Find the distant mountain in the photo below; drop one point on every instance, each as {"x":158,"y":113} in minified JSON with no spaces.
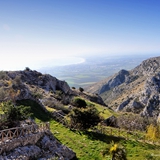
{"x":95,"y":68}
{"x":137,"y":90}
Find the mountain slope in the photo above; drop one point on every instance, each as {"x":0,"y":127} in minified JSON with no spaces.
{"x":137,"y":90}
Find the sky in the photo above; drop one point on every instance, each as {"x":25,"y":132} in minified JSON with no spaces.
{"x":33,"y":32}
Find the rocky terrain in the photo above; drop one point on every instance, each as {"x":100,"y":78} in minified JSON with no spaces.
{"x":48,"y":92}
{"x":137,"y":90}
{"x":25,"y":84}
{"x":39,"y":146}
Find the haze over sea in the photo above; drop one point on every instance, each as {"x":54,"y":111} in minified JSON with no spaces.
{"x":84,"y":71}
{"x":62,"y":61}
{"x":37,"y":63}
{"x":37,"y":34}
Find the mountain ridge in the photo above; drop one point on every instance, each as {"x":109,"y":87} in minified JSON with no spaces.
{"x":137,"y":90}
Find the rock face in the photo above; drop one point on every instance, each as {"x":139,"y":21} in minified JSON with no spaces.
{"x":115,"y":81}
{"x":46,"y":81}
{"x":137,"y":90}
{"x":45,"y":88}
{"x":36,"y":146}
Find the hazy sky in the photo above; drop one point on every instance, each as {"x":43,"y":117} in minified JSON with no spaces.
{"x":35,"y":30}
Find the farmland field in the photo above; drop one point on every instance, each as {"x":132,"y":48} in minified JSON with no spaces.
{"x":95,"y":68}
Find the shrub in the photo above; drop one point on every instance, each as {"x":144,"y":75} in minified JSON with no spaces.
{"x":117,"y":151}
{"x":18,"y":80}
{"x":3,"y":75}
{"x":37,"y":95}
{"x":84,"y":118}
{"x":56,"y":105}
{"x":59,"y":94}
{"x":3,"y":94}
{"x":153,"y":132}
{"x":27,"y":69}
{"x":78,"y":102}
{"x":15,"y":113}
{"x":134,"y":122}
{"x":81,"y":89}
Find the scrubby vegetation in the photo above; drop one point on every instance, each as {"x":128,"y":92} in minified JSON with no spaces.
{"x":93,"y":145}
{"x":79,"y":102}
{"x":85,"y":120}
{"x":13,"y":114}
{"x":130,"y":121}
{"x":153,"y":132}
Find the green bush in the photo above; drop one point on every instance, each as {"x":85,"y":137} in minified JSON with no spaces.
{"x":80,"y":103}
{"x":85,"y":118}
{"x":117,"y":151}
{"x":81,"y":89}
{"x":16,"y":113}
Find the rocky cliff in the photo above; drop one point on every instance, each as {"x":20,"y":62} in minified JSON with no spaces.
{"x":46,"y":81}
{"x":137,"y":90}
{"x":39,"y":146}
{"x":48,"y":92}
{"x":27,"y":84}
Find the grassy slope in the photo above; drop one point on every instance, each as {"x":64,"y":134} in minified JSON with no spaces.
{"x":89,"y":145}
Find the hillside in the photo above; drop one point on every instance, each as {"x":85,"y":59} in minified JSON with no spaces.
{"x":48,"y":96}
{"x":29,"y":84}
{"x":87,"y":145}
{"x":135,"y":91}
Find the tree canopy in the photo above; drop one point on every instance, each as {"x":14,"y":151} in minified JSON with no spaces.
{"x":84,"y":118}
{"x":15,"y":113}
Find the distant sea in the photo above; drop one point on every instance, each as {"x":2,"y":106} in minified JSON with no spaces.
{"x":96,"y":67}
{"x":59,"y":62}
{"x":63,"y":61}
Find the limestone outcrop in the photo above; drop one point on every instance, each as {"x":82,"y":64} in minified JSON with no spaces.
{"x":42,"y":145}
{"x":116,"y":80}
{"x":137,"y":90}
{"x":44,"y":81}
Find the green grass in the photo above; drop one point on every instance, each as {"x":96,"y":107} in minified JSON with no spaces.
{"x":104,"y":111}
{"x":1,"y":111}
{"x":89,"y":145}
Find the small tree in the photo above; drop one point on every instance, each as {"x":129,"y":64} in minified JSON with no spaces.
{"x":84,"y":118}
{"x":80,"y":103}
{"x":81,"y":89}
{"x":27,"y":69}
{"x":15,"y":113}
